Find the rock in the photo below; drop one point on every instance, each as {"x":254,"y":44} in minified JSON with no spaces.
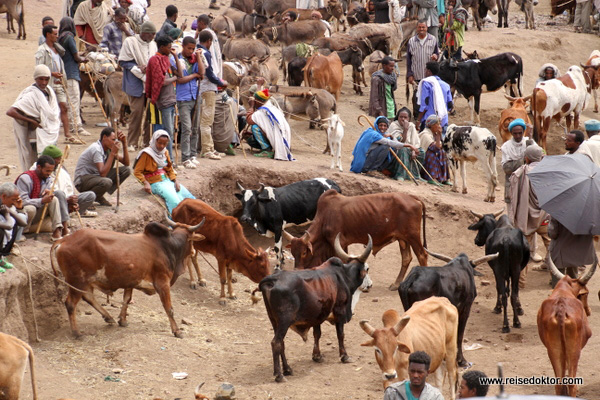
{"x":208,"y":340}
{"x":88,"y":313}
{"x":184,"y":303}
{"x":225,"y":392}
{"x":506,"y":347}
{"x":375,"y":300}
{"x":186,"y":321}
{"x":485,"y":283}
{"x":117,"y":370}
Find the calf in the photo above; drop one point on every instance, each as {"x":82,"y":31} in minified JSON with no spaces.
{"x":454,"y":281}
{"x":429,"y":325}
{"x":325,"y":72}
{"x":472,"y":143}
{"x":304,"y":299}
{"x":14,"y":354}
{"x":563,"y":324}
{"x":517,"y":109}
{"x":503,"y":238}
{"x":335,"y":134}
{"x":269,"y":209}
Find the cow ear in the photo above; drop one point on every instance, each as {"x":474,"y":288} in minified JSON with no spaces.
{"x":368,"y":343}
{"x":475,"y":226}
{"x":264,"y":196}
{"x":156,"y":229}
{"x":239,"y":196}
{"x":404,"y":348}
{"x":309,"y":245}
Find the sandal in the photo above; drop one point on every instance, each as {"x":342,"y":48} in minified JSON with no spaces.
{"x":73,"y":140}
{"x":6,"y":265}
{"x":265,"y":154}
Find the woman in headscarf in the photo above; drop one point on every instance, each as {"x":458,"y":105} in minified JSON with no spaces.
{"x":372,"y":150}
{"x":154,"y":170}
{"x":547,"y":72}
{"x":436,"y":162}
{"x":405,"y":131}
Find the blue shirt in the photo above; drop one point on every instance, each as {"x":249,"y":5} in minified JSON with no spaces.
{"x":71,"y":66}
{"x":427,"y":99}
{"x":132,"y":85}
{"x":186,"y":91}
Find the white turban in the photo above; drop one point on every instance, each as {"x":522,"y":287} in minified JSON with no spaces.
{"x":41,"y":71}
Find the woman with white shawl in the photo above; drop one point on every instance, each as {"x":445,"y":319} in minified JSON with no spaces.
{"x":154,"y":169}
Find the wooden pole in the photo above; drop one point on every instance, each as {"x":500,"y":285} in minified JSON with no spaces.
{"x":64,"y":157}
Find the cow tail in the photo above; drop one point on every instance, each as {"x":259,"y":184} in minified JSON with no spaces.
{"x":424,"y":219}
{"x":255,"y":299}
{"x":563,"y":348}
{"x":53,"y":250}
{"x":31,"y":367}
{"x":536,"y":126}
{"x":520,"y":78}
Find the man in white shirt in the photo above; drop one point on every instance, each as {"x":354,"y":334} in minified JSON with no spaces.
{"x":513,"y":153}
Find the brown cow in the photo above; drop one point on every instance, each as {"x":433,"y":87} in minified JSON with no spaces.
{"x":592,"y":67}
{"x":563,"y":324}
{"x":518,"y":109}
{"x":431,"y":326}
{"x":387,"y":217}
{"x":14,"y":354}
{"x":325,"y":72}
{"x":150,"y":261}
{"x":226,"y":242}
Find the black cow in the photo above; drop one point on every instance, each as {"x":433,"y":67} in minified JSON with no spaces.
{"x":453,"y":281}
{"x":469,"y":77}
{"x":295,"y":73}
{"x":304,"y":299}
{"x":269,"y":209}
{"x":502,"y":237}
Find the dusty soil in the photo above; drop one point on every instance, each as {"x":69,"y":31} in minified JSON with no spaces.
{"x":232,"y":343}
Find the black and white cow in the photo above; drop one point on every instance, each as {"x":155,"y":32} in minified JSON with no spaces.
{"x":269,"y":209}
{"x":473,"y":77}
{"x":472,"y":143}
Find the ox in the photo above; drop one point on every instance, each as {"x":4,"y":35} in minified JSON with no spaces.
{"x":470,"y":77}
{"x":269,"y":209}
{"x":304,"y":299}
{"x":14,"y":354}
{"x":517,"y":109}
{"x":226,"y":242}
{"x":472,"y":143}
{"x":502,"y":237}
{"x":317,"y":104}
{"x":388,"y":217}
{"x":557,"y":98}
{"x":325,"y":72}
{"x":592,"y":67}
{"x":454,"y":281}
{"x":429,"y":325}
{"x":335,"y":134}
{"x":563,"y":324}
{"x":150,"y":261}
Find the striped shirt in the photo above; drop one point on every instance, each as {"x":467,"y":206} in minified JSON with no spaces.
{"x":418,"y":54}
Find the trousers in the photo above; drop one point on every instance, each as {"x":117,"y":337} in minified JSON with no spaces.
{"x":100,"y":185}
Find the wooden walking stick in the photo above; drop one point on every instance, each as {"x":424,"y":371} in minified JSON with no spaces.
{"x":64,"y":157}
{"x":117,"y":173}
{"x":96,"y":95}
{"x":391,"y":151}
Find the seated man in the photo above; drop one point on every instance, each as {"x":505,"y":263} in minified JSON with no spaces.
{"x":10,"y":221}
{"x":270,"y":131}
{"x":34,"y":189}
{"x":436,"y":162}
{"x":95,"y":171}
{"x":405,"y":131}
{"x":81,"y":202}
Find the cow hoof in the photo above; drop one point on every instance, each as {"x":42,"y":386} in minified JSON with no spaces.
{"x":288,"y":372}
{"x":222,"y":302}
{"x":193,"y":285}
{"x":280,"y":379}
{"x":462,"y":363}
{"x":110,"y":321}
{"x":505,"y":329}
{"x":517,"y":324}
{"x":455,"y":189}
{"x":520,"y":311}
{"x":393,"y":287}
{"x":123,"y":324}
{"x":367,"y":290}
{"x":487,"y":199}
{"x":233,"y":279}
{"x":346,"y":359}
{"x":233,"y":297}
{"x":497,"y":310}
{"x":77,"y":335}
{"x":465,"y":191}
{"x":202,"y":282}
{"x":318,"y":359}
{"x":178,"y":334}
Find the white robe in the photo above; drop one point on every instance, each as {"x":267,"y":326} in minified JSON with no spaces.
{"x":591,"y":148}
{"x":278,"y":132}
{"x":34,"y":104}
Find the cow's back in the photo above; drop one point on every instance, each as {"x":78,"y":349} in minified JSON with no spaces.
{"x":514,"y":250}
{"x":302,"y":195}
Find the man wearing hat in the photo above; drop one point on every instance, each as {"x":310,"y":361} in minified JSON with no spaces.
{"x":591,"y":147}
{"x":133,"y":58}
{"x":270,"y":131}
{"x":524,"y":210}
{"x":36,"y":118}
{"x":512,"y":153}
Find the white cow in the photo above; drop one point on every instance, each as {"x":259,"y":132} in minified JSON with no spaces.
{"x":557,"y":98}
{"x":472,"y":143}
{"x":593,"y":67}
{"x":335,"y":134}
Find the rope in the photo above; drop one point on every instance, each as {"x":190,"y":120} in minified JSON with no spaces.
{"x":208,"y":262}
{"x":35,"y":325}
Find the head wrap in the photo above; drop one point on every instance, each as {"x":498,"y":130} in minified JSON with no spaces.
{"x":159,"y":156}
{"x":379,"y":120}
{"x":316,"y":14}
{"x":432,"y":120}
{"x":148,"y":27}
{"x":534,"y":153}
{"x":41,"y":71}
{"x":175,"y":33}
{"x":262,"y":95}
{"x":52,"y":151}
{"x":592,"y":125}
{"x":66,"y":29}
{"x":542,"y":73}
{"x":517,"y":122}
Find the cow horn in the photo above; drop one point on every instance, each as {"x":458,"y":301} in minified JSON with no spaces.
{"x":197,"y":390}
{"x":559,"y":275}
{"x":170,"y":223}
{"x":288,"y":236}
{"x":369,"y":330}
{"x":498,"y":213}
{"x":262,"y":188}
{"x":527,"y":98}
{"x":588,"y":275}
{"x":306,"y":237}
{"x":510,"y":98}
{"x":485,"y":259}
{"x":401,"y":324}
{"x":476,"y":214}
{"x":439,"y":256}
{"x":363,"y":257}
{"x":196,"y":227}
{"x":583,"y":66}
{"x":240,"y":186}
{"x":339,"y":251}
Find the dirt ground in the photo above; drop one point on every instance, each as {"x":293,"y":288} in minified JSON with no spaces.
{"x":232,"y":343}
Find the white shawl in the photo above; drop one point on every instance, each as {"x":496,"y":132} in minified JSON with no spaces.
{"x":135,"y":49}
{"x":33,"y":103}
{"x":438,"y":96}
{"x":277,"y":130}
{"x":512,"y":151}
{"x":97,"y":17}
{"x":591,"y":148}
{"x":396,"y":12}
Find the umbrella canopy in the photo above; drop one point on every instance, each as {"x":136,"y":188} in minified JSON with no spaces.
{"x":568,"y":188}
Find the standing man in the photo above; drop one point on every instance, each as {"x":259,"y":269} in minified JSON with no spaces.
{"x":34,"y":188}
{"x":10,"y":221}
{"x":116,"y":32}
{"x":382,"y":11}
{"x":513,"y":152}
{"x":133,"y":58}
{"x":90,"y":19}
{"x":428,"y":12}
{"x":94,"y":170}
{"x":583,"y":10}
{"x":172,"y":14}
{"x":36,"y":118}
{"x":415,"y":387}
{"x":421,"y":48}
{"x":434,"y":96}
{"x":49,"y":54}
{"x":591,"y":147}
{"x":383,"y":85}
{"x":524,"y":210}
{"x":454,"y":31}
{"x":215,"y":48}
{"x":208,"y":92}
{"x":135,"y":15}
{"x":573,"y":141}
